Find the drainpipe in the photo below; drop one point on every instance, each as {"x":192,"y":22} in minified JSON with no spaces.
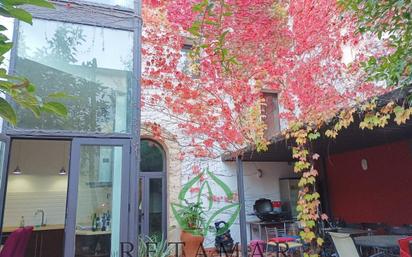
{"x":136,"y":125}
{"x":242,"y":214}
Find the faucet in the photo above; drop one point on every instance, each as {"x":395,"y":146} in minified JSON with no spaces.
{"x":42,"y":216}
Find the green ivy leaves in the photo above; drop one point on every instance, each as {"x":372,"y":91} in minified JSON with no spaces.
{"x":391,"y":22}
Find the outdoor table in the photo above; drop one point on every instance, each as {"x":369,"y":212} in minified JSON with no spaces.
{"x":257,"y":228}
{"x":352,"y":231}
{"x":378,"y":241}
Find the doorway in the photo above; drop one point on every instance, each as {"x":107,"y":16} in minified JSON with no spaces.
{"x":73,"y":192}
{"x":36,"y":185}
{"x":97,"y":207}
{"x":152,"y":186}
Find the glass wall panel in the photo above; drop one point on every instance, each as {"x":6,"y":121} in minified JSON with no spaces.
{"x":93,"y":65}
{"x":123,"y":3}
{"x":99,"y":201}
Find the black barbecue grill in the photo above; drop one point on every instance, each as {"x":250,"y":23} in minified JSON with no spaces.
{"x":264,"y":210}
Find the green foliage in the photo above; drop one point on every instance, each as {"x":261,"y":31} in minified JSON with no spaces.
{"x":313,"y":136}
{"x":192,"y":217}
{"x":390,"y":21}
{"x":152,"y":247}
{"x":212,"y":13}
{"x":20,"y":90}
{"x":10,"y":8}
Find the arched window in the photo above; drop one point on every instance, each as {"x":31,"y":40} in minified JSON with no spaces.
{"x":152,"y":156}
{"x":152,"y":180}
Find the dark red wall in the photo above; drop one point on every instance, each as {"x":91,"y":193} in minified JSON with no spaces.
{"x":383,"y":193}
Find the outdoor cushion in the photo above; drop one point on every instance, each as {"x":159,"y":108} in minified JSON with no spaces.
{"x":290,"y":245}
{"x":404,"y":245}
{"x":281,"y":239}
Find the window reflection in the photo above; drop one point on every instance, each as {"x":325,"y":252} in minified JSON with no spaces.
{"x":93,"y":65}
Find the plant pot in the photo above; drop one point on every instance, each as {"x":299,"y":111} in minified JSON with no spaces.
{"x":191,"y":243}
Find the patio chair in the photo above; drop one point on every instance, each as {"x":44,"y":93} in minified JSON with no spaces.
{"x":404,"y":245}
{"x":345,"y":246}
{"x":16,"y":243}
{"x":277,"y":238}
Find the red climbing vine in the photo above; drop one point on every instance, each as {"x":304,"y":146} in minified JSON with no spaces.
{"x":305,"y":49}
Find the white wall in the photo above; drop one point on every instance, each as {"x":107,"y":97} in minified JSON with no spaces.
{"x":39,"y":186}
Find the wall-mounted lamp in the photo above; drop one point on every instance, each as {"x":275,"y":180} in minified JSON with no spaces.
{"x":259,"y":173}
{"x":364,"y":164}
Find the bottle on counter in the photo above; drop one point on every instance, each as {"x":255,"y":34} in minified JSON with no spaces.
{"x":98,"y":223}
{"x":94,"y":225}
{"x":103,"y":221}
{"x":22,"y":222}
{"x":108,"y":221}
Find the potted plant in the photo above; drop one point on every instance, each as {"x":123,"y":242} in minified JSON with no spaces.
{"x":192,"y":222}
{"x":192,"y":216}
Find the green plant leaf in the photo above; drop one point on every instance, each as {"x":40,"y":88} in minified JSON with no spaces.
{"x":178,"y":218}
{"x":56,"y":108}
{"x":5,"y":47}
{"x":210,"y":194}
{"x":181,"y":221}
{"x":7,"y":112}
{"x":58,"y":95}
{"x":20,"y":14}
{"x":225,"y":188}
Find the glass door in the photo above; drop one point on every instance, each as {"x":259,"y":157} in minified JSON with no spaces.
{"x":97,"y":201}
{"x":152,"y":192}
{"x":152,"y":211}
{"x":4,"y":154}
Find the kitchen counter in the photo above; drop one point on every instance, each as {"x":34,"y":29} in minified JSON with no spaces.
{"x":60,"y":227}
{"x":36,"y":228}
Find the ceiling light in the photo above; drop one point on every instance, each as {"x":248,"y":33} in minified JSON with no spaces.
{"x":62,"y":171}
{"x":17,"y":170}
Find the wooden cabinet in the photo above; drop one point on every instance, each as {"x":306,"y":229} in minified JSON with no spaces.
{"x":46,"y":243}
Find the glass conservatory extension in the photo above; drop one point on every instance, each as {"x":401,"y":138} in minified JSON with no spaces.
{"x":75,"y":180}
